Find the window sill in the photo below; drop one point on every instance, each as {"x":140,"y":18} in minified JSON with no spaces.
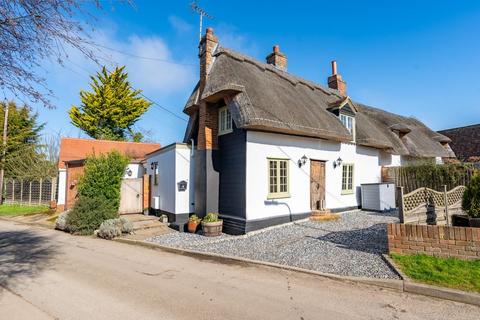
{"x":278,"y":196}
{"x":225,"y":132}
{"x":347,"y":192}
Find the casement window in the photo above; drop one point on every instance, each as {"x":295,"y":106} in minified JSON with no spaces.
{"x":347,"y":178}
{"x":349,"y":123}
{"x":224,"y":121}
{"x":278,"y":178}
{"x":155,"y":173}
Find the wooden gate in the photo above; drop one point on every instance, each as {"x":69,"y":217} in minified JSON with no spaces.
{"x":317,"y":185}
{"x":131,"y":196}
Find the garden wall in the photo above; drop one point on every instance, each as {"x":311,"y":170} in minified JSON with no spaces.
{"x":443,"y":241}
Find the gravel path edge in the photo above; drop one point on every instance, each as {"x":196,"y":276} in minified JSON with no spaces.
{"x":394,"y":284}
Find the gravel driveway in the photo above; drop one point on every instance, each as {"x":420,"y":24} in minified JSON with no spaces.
{"x":351,"y":246}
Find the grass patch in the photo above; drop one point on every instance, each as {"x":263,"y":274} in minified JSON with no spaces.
{"x":446,"y":272}
{"x":9,"y":210}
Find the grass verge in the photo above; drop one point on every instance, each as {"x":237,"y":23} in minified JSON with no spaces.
{"x":9,"y":210}
{"x":446,"y":272}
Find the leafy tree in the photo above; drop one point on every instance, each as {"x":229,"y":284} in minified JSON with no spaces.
{"x":25,"y":153}
{"x":471,"y":197}
{"x":111,"y":109}
{"x":31,"y":31}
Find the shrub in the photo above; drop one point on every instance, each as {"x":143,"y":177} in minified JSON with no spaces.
{"x":88,"y":214}
{"x":211,"y":217}
{"x":61,"y":222}
{"x":126,"y":225}
{"x":112,"y":228}
{"x":194,"y":218}
{"x":102,"y":177}
{"x":471,"y":197}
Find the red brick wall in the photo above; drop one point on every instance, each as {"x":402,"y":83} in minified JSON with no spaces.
{"x":442,"y":241}
{"x":74,"y":172}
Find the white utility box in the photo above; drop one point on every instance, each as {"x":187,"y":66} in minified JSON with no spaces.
{"x":378,"y":196}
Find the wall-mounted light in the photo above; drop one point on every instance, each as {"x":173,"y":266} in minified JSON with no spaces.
{"x":338,"y":162}
{"x":302,"y":161}
{"x":129,"y":172}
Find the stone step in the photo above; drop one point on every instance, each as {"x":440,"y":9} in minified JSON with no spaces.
{"x":138,"y":225}
{"x":140,"y":217}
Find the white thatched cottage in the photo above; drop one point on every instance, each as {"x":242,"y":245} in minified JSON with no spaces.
{"x":271,"y":147}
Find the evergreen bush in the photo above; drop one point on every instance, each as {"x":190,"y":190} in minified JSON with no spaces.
{"x":103,"y":177}
{"x":88,"y":213}
{"x":471,"y":197}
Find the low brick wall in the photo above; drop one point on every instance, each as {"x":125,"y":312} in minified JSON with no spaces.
{"x":442,"y":241}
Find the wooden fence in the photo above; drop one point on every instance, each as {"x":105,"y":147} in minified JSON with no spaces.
{"x":428,"y":206}
{"x":411,"y":180}
{"x":30,"y":192}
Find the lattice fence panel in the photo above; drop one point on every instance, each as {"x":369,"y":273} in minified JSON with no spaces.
{"x":30,"y":192}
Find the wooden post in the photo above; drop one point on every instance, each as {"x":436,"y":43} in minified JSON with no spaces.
{"x":13,"y":191}
{"x":53,"y":185}
{"x":40,"y":192}
{"x":445,"y":199}
{"x":401,"y":204}
{"x":21,"y":191}
{"x":30,"y":192}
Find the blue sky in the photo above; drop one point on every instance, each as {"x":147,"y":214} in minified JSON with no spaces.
{"x":415,"y":58}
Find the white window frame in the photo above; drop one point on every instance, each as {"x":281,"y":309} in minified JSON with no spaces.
{"x":225,"y":124}
{"x":348,"y":180}
{"x":276,"y":193}
{"x":345,"y":121}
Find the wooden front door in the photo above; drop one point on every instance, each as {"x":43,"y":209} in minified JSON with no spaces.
{"x":317,"y":185}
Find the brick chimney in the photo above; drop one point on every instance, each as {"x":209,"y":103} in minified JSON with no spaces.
{"x":207,"y":46}
{"x":335,"y":81}
{"x":277,"y":58}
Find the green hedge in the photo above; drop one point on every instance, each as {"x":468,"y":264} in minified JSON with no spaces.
{"x":103,"y":177}
{"x":88,"y":214}
{"x":471,"y":197}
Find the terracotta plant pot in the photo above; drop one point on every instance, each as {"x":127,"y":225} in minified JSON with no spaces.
{"x":212,"y":229}
{"x":192,"y":226}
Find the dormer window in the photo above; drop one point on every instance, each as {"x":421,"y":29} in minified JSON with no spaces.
{"x":224,"y":121}
{"x":345,"y":110}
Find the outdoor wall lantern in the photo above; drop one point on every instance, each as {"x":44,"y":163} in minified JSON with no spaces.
{"x":129,"y":172}
{"x":302,"y":161}
{"x":338,"y":162}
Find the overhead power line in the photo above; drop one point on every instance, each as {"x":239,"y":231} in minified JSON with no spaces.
{"x":143,"y":57}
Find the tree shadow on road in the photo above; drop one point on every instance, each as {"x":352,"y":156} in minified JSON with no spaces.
{"x":24,"y":254}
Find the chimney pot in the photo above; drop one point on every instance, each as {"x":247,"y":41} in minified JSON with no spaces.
{"x":334,"y":67}
{"x":210,"y":30}
{"x":276,"y":48}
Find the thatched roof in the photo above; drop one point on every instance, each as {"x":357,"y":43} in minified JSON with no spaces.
{"x":262,"y":97}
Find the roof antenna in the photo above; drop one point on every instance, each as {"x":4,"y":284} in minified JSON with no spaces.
{"x":202,"y":13}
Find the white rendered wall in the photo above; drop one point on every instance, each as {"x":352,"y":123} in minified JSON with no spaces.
{"x":260,"y":146}
{"x":184,"y":172}
{"x":137,"y":171}
{"x":174,"y":165}
{"x":165,"y":189}
{"x":62,"y":184}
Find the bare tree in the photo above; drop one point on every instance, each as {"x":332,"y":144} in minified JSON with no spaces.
{"x":34,"y":30}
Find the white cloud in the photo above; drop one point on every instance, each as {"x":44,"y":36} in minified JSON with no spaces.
{"x":180,"y":25}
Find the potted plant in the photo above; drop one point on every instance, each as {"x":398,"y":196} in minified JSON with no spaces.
{"x":193,"y":223}
{"x":211,"y":225}
{"x":471,"y":201}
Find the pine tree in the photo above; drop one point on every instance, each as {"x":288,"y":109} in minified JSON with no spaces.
{"x":24,"y":154}
{"x":111,"y":110}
